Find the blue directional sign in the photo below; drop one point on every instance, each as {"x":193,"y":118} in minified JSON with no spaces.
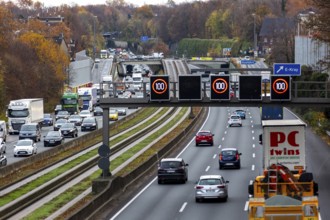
{"x":247,"y":62}
{"x":144,"y":38}
{"x":290,"y":69}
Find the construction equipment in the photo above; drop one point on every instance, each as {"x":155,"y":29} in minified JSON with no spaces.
{"x":281,"y":195}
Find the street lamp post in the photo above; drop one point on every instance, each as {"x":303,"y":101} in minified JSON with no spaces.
{"x":94,"y":43}
{"x":254,"y":35}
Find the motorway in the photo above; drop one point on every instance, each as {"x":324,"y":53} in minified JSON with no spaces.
{"x":177,"y":201}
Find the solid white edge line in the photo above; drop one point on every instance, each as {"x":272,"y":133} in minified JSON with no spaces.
{"x":139,"y":193}
{"x":183,"y":207}
{"x":246,"y":207}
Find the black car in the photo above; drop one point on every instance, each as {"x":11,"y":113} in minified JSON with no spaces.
{"x":98,"y":111}
{"x":229,"y":157}
{"x":48,"y":120}
{"x":89,"y":123}
{"x":69,"y":130}
{"x":172,"y":169}
{"x":53,"y":138}
{"x":58,"y":124}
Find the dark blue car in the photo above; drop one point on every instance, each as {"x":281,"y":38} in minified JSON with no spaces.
{"x":229,"y":157}
{"x":241,"y":113}
{"x":48,"y":120}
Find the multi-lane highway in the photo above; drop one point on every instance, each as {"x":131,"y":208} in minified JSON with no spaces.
{"x":177,"y":201}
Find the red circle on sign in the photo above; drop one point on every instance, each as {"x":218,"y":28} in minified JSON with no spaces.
{"x":222,"y":90}
{"x":159,"y":92}
{"x":283,"y":81}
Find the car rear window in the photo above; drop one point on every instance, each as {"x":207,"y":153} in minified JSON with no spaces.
{"x":210,"y":182}
{"x":235,"y":117}
{"x":228,"y":153}
{"x":171,"y":164}
{"x":204,"y":133}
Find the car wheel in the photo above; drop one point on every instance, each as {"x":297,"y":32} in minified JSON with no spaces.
{"x":76,"y":134}
{"x":225,"y":199}
{"x":159,"y":181}
{"x":196,"y":144}
{"x":239,"y":166}
{"x":15,"y":155}
{"x":211,"y":143}
{"x":220,"y":167}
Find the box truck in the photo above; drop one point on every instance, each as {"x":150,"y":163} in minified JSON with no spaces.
{"x":24,"y":111}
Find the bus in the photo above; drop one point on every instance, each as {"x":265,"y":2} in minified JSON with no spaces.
{"x":70,"y":102}
{"x":104,"y":54}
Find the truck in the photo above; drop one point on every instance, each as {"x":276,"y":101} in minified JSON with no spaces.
{"x":137,"y":81}
{"x":24,"y":111}
{"x":284,"y":142}
{"x":271,"y":112}
{"x":88,"y":97}
{"x":70,"y":102}
{"x":286,"y":190}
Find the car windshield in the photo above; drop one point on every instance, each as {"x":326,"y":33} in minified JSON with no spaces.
{"x":47,"y":116}
{"x":67,"y":125}
{"x":210,"y":182}
{"x":24,"y":143}
{"x":62,"y":113}
{"x":89,"y":120}
{"x":113,"y":111}
{"x":53,"y":134}
{"x":28,"y":128}
{"x":75,"y":116}
{"x":85,"y":112}
{"x":170,"y":164}
{"x":60,"y":121}
{"x":228,"y":153}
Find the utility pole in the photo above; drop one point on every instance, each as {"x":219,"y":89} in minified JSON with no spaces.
{"x":255,"y":46}
{"x":94,"y":43}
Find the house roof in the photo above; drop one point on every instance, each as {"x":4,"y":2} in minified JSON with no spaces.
{"x":276,"y":26}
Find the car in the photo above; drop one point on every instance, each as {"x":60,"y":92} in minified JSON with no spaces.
{"x":85,"y":113}
{"x":97,"y":60}
{"x":241,"y":113}
{"x":98,"y":111}
{"x":53,"y":138}
{"x":89,"y":123}
{"x":172,"y":169}
{"x":113,"y":115}
{"x":30,"y":130}
{"x":3,"y":146}
{"x":48,"y":120}
{"x":25,"y":147}
{"x":211,"y":187}
{"x":121,"y":111}
{"x":204,"y":137}
{"x":69,"y":130}
{"x":62,"y":114}
{"x":59,"y":123}
{"x":235,"y":120}
{"x":229,"y":157}
{"x":76,"y":119}
{"x":3,"y":160}
{"x":57,"y":109}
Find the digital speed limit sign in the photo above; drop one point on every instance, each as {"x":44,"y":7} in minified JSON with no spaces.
{"x":280,"y":88}
{"x":220,"y":87}
{"x":159,"y":88}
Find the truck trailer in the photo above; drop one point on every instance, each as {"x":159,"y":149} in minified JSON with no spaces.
{"x":88,"y":97}
{"x":24,"y":111}
{"x":271,"y":112}
{"x":285,"y":191}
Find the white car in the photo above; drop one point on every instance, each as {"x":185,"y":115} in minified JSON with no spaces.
{"x":211,"y":187}
{"x":235,"y":120}
{"x":25,"y":147}
{"x":85,"y":113}
{"x":2,"y":146}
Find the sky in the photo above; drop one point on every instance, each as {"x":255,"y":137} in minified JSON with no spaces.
{"x":50,"y":3}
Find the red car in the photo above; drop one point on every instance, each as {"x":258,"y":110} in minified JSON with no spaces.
{"x":204,"y":137}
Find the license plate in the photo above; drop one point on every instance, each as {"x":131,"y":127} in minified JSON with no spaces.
{"x":51,"y":141}
{"x":170,"y":171}
{"x":22,"y":152}
{"x":65,"y":132}
{"x":230,"y":164}
{"x":209,"y":190}
{"x":203,"y":141}
{"x":87,"y":127}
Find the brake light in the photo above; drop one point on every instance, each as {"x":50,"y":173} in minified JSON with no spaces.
{"x":221,"y":186}
{"x":220,"y":156}
{"x":237,"y":156}
{"x":199,"y":187}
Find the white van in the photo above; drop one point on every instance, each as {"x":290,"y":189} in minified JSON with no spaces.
{"x":3,"y":130}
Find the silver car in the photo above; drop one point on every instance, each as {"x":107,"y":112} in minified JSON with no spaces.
{"x":211,"y":187}
{"x":235,"y":120}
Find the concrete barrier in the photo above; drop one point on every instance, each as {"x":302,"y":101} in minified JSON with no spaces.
{"x":117,"y":185}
